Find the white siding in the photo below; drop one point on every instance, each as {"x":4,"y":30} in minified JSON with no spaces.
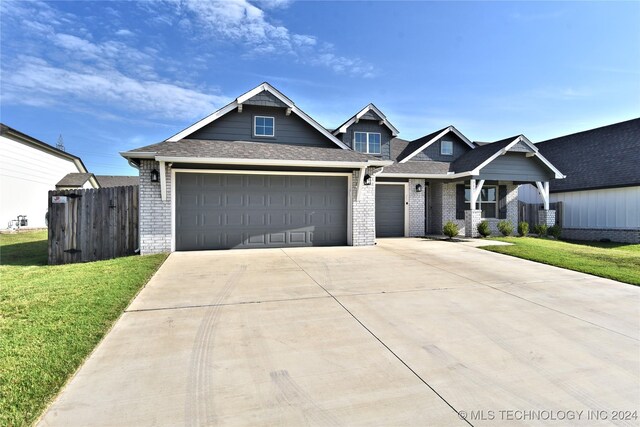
{"x":617,"y":208}
{"x":26,"y":175}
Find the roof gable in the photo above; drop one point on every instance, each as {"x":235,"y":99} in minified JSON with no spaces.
{"x":370,"y":112}
{"x":417,"y":145}
{"x":251,"y":97}
{"x":481,"y":156}
{"x":265,"y":99}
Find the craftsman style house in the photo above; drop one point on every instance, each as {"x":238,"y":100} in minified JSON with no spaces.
{"x":260,"y":172}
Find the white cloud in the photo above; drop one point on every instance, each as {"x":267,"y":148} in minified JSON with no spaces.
{"x":243,"y":22}
{"x":124,"y":32}
{"x":34,"y":81}
{"x":274,"y":4}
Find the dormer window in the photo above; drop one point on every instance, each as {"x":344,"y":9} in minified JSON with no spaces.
{"x":367,"y":142}
{"x":264,"y":126}
{"x":446,"y":148}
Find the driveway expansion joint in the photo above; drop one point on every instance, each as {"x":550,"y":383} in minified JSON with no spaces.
{"x":514,"y":295}
{"x":381,"y":342}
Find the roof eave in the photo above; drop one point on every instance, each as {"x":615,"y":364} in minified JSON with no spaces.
{"x":274,"y":162}
{"x":426,"y":175}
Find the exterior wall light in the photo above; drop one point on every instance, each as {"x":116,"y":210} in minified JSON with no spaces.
{"x":367,"y":179}
{"x":155,"y":176}
{"x":418,"y":188}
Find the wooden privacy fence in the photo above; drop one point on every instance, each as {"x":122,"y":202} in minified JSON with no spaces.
{"x":528,"y":212}
{"x":89,"y":225}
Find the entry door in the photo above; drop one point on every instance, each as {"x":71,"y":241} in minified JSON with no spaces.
{"x":390,"y":210}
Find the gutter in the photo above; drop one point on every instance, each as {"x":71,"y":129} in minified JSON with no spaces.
{"x":427,"y":175}
{"x":257,"y":162}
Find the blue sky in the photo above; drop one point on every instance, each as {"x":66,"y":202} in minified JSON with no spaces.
{"x":111,"y":76}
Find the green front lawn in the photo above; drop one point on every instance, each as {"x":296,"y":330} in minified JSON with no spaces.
{"x":51,"y":318}
{"x":615,"y":261}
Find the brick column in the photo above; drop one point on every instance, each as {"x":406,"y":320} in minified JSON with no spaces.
{"x":363,"y":211}
{"x":416,"y":208}
{"x":547,"y":217}
{"x":471,"y":220}
{"x":155,"y":215}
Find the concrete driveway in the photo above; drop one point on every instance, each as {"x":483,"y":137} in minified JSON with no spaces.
{"x":409,"y":332}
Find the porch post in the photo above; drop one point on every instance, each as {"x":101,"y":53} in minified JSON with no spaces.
{"x":475,"y":193}
{"x":545,"y":216}
{"x":543,"y":189}
{"x":473,"y":216}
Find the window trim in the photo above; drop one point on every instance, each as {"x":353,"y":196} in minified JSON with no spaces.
{"x":255,"y":135}
{"x":479,"y":203}
{"x":367,"y":151}
{"x":442,"y":141}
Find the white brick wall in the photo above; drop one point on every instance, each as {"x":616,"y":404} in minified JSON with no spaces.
{"x":416,"y":208}
{"x":449,"y":208}
{"x":155,"y":215}
{"x":363,"y":211}
{"x":471,"y":220}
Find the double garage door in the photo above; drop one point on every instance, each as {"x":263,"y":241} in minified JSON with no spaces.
{"x":226,"y":211}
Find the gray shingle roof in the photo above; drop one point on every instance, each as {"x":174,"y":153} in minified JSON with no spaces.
{"x":423,"y":167}
{"x":417,"y":143}
{"x":400,"y":148}
{"x":74,"y":180}
{"x":608,"y":156}
{"x":199,"y":148}
{"x":117,"y":180}
{"x":474,"y":158}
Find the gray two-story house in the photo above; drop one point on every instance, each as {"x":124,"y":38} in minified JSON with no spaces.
{"x":261,"y":173}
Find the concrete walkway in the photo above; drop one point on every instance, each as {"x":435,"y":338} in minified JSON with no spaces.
{"x":408,"y":332}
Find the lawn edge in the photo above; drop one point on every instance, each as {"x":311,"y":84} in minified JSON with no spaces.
{"x":486,"y":248}
{"x":84,"y":360}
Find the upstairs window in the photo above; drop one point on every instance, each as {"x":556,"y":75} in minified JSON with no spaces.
{"x":367,"y":142}
{"x":446,"y":148}
{"x":263,"y":126}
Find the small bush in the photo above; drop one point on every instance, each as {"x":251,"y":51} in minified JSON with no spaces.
{"x":555,"y":231}
{"x":540,"y":230}
{"x":523,"y":229}
{"x":505,"y":227}
{"x":450,"y":229}
{"x":483,"y":228}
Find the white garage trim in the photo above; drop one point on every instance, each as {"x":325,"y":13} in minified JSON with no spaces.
{"x":257,"y":172}
{"x":406,"y":203}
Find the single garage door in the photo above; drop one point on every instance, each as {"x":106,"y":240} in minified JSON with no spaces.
{"x":226,"y":211}
{"x":390,"y":210}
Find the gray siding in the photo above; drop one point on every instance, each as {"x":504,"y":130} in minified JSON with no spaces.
{"x":370,"y":115}
{"x":521,"y":147}
{"x":432,"y":152}
{"x":265,"y":99}
{"x":235,"y":126}
{"x":516,"y":167}
{"x":370,"y":126}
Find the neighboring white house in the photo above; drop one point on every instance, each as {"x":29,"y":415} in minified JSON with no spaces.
{"x":29,"y":168}
{"x":601,"y":194}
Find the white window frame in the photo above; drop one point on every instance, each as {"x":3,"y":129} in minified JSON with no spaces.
{"x":367,"y":143}
{"x":479,"y":203}
{"x":255,"y":125}
{"x":442,"y":153}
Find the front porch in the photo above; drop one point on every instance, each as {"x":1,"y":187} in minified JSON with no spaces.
{"x":467,"y":203}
